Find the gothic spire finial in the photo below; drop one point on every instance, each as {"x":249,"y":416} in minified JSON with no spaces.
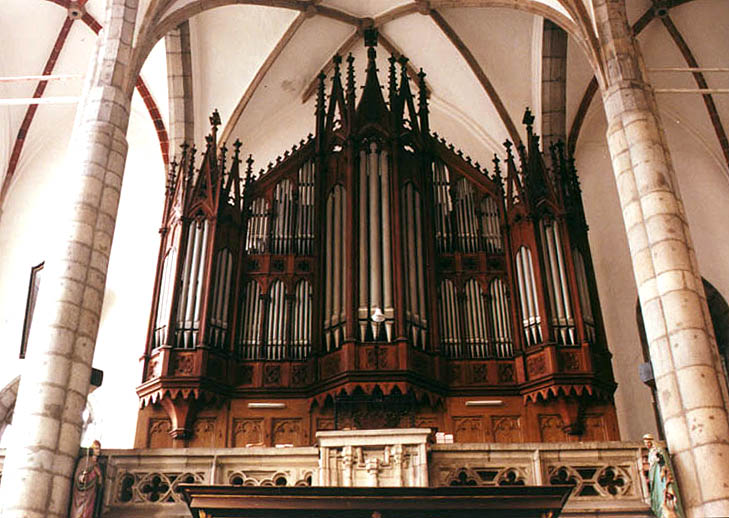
{"x":350,"y":80}
{"x":392,"y":80}
{"x":528,"y":120}
{"x":215,"y":121}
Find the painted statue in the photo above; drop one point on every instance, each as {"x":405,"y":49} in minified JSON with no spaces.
{"x":665,"y":500}
{"x":87,"y":485}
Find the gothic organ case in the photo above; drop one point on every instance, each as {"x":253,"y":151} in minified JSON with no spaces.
{"x":374,"y":277}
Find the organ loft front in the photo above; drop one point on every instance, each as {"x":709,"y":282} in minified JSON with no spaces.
{"x":374,"y":277}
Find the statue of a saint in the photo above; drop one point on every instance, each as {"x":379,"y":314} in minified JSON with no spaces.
{"x":665,"y":500}
{"x":87,"y":485}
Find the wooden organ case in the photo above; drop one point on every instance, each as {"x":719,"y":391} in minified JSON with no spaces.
{"x":374,"y":277}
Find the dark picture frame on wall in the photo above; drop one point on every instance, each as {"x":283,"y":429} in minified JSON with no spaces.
{"x":33,"y":286}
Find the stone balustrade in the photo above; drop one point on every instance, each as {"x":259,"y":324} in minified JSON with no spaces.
{"x":606,"y":475}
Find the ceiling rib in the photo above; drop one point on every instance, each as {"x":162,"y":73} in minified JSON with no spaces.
{"x":30,"y":112}
{"x":149,"y":102}
{"x":688,"y":56}
{"x":260,"y":74}
{"x":480,"y":75}
{"x":701,"y":83}
{"x":343,"y":49}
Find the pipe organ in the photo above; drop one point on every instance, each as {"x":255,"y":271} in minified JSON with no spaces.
{"x":372,"y":276}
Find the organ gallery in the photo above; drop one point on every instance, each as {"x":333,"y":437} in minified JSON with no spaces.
{"x":374,"y":277}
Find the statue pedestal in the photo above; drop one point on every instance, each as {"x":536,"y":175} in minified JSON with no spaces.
{"x":373,"y":458}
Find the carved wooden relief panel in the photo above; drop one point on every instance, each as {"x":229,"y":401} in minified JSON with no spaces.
{"x":158,"y":433}
{"x":468,"y":429}
{"x":506,"y":428}
{"x":203,"y":433}
{"x":551,"y":429}
{"x":287,"y":431}
{"x":247,"y":432}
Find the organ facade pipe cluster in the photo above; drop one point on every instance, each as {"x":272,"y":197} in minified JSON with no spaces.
{"x":372,"y":259}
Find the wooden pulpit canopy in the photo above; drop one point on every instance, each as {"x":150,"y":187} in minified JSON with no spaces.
{"x":375,"y":502}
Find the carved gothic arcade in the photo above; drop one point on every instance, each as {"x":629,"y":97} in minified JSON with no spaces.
{"x":374,"y":277}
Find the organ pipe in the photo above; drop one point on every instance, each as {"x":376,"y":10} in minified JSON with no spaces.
{"x":531,"y":318}
{"x":251,"y":318}
{"x":476,"y":326}
{"x":500,"y":319}
{"x":257,"y":232}
{"x":386,"y":236}
{"x":375,"y":229}
{"x":556,"y":276}
{"x":584,"y":295}
{"x":305,"y":211}
{"x":491,"y":226}
{"x":336,"y":271}
{"x":364,"y":264}
{"x":164,"y":304}
{"x":218,"y":331}
{"x":189,"y":302}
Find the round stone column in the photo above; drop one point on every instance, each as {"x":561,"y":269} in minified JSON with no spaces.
{"x":37,"y":474}
{"x":690,"y":386}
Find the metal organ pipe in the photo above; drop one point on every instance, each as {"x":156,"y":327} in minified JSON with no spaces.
{"x":375,"y":228}
{"x":411,"y":310}
{"x":562,"y":320}
{"x":251,"y":315}
{"x":221,"y":296}
{"x":491,"y":226}
{"x":304,"y":214}
{"x":441,"y":187}
{"x":337,"y":296}
{"x":386,"y":243}
{"x":584,"y":294}
{"x":257,"y":227}
{"x":165,"y":298}
{"x":188,"y":319}
{"x":277,"y":318}
{"x":529,"y":302}
{"x":335,"y":289}
{"x":419,"y":269}
{"x":500,"y":318}
{"x":363,"y":309}
{"x":329,"y":284}
{"x":301,"y":332}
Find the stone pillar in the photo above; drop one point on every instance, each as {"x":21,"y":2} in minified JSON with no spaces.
{"x":179,"y":86}
{"x":39,"y":465}
{"x":691,"y":390}
{"x":554,"y":91}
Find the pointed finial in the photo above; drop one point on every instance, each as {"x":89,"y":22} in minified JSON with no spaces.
{"x":497,"y":168}
{"x":249,"y":165}
{"x":350,"y":79}
{"x":320,"y":105}
{"x":172,"y":176}
{"x":191,"y":165}
{"x":337,"y":60}
{"x":223,"y":153}
{"x":507,"y":145}
{"x":403,"y":69}
{"x":392,"y":79}
{"x":370,"y":37}
{"x":215,"y":120}
{"x":528,"y":120}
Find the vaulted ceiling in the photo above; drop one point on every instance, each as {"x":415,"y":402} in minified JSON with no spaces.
{"x":256,"y":62}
